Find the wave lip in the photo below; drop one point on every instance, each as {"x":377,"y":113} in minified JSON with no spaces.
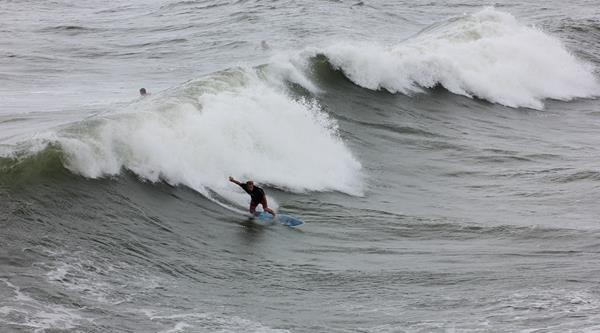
{"x":488,"y":55}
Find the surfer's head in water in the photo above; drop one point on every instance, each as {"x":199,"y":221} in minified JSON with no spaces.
{"x":143,"y":92}
{"x":257,"y":196}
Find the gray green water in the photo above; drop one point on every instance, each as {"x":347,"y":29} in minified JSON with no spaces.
{"x":443,"y":156}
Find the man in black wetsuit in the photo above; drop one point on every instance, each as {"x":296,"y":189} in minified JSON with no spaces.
{"x":257,"y":196}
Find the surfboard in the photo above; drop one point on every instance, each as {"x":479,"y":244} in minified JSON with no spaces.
{"x":284,"y":219}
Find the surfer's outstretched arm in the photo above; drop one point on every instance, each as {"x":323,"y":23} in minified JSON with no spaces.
{"x":231,"y":179}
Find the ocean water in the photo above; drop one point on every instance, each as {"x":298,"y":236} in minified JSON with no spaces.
{"x":442,"y":154}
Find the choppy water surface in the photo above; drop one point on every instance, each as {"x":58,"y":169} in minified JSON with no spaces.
{"x":443,"y":156}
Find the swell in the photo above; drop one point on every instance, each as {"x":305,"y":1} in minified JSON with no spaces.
{"x":576,"y":176}
{"x":70,"y":30}
{"x":391,"y":127}
{"x":193,"y":5}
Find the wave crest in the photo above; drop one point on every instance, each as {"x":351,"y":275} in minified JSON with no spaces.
{"x":489,"y":55}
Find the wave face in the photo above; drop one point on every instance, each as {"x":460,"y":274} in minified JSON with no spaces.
{"x":233,"y":123}
{"x":488,"y":55}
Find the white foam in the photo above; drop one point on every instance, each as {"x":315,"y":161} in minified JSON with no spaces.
{"x":209,"y":321}
{"x":25,"y":311}
{"x":96,"y":279}
{"x":251,"y":131}
{"x":488,"y":54}
{"x":179,"y":327}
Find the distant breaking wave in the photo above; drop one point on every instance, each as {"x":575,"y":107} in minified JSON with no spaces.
{"x":488,"y":55}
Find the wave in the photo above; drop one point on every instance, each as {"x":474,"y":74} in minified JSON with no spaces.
{"x":575,"y":176}
{"x":70,"y":30}
{"x":29,"y":166}
{"x":488,"y":55}
{"x":265,"y":123}
{"x":240,"y":122}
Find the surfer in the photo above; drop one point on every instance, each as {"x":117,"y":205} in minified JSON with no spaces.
{"x":143,"y":92}
{"x":257,"y":196}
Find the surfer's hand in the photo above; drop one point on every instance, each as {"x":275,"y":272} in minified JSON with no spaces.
{"x":231,"y":179}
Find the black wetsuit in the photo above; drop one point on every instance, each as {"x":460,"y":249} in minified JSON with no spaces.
{"x":257,"y":194}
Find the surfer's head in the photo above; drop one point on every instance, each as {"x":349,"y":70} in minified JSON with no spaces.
{"x":143,"y":92}
{"x":250,"y":185}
